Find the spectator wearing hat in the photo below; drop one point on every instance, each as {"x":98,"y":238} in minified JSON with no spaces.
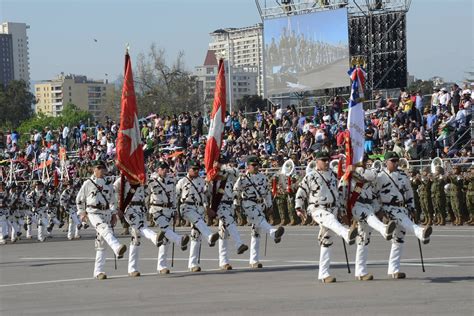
{"x":435,"y":100}
{"x":444,"y":99}
{"x":252,"y":192}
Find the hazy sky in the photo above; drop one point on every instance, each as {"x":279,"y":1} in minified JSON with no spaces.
{"x":62,"y":33}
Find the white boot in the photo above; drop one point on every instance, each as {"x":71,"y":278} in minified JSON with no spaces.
{"x":255,"y":247}
{"x":133,"y":258}
{"x":395,"y":256}
{"x":99,"y":266}
{"x":194,"y":252}
{"x":163,"y":256}
{"x":324,"y":262}
{"x":361,"y":260}
{"x":223,"y":256}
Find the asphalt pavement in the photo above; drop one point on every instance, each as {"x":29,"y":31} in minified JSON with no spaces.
{"x":55,"y":277}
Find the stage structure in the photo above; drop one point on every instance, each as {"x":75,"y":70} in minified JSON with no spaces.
{"x":376,"y":33}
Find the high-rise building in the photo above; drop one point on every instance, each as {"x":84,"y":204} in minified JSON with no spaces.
{"x":243,"y":80}
{"x":21,"y":60}
{"x":6,"y":59}
{"x":90,"y":95}
{"x":244,"y":47}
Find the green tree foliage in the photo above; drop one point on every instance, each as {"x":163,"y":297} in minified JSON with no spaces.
{"x":251,"y":103}
{"x":164,"y":88}
{"x":15,"y":103}
{"x":71,"y":115}
{"x":425,"y":86}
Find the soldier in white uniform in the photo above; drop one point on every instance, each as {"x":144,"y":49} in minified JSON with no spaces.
{"x":161,"y":194}
{"x":363,"y":211}
{"x":135,"y":215}
{"x":319,"y":188}
{"x":67,"y":201}
{"x":37,"y":200}
{"x":396,"y":195}
{"x":96,"y":201}
{"x":190,"y":193}
{"x":15,"y":219}
{"x":252,"y":192}
{"x":52,"y":197}
{"x":4,"y":213}
{"x":221,"y":196}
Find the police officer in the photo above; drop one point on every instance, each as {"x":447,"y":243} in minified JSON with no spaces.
{"x":364,"y":212}
{"x":253,"y":194}
{"x":324,"y":206}
{"x":96,"y":201}
{"x":161,"y":194}
{"x":395,"y":192}
{"x":190,"y":192}
{"x":220,"y":192}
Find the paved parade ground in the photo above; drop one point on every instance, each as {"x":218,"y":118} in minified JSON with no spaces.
{"x":54,"y":277}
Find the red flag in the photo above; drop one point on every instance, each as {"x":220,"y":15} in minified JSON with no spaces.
{"x":130,"y":159}
{"x":216,"y":129}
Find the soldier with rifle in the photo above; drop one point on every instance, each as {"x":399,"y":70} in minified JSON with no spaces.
{"x":37,"y":200}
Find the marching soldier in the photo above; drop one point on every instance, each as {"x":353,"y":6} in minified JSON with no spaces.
{"x":364,"y":212}
{"x":135,"y":214}
{"x":324,"y":206}
{"x":192,"y":199}
{"x":162,"y":198}
{"x":4,"y":213}
{"x":15,"y":219}
{"x":52,"y":204}
{"x":67,"y":201}
{"x":424,"y":192}
{"x":396,"y":195}
{"x":37,"y":200}
{"x":96,"y":202}
{"x":438,"y":197}
{"x":221,"y":195}
{"x":253,"y":194}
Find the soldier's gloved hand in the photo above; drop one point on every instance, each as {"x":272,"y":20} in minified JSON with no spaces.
{"x":345,"y":220}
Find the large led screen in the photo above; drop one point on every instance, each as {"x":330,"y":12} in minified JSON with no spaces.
{"x":306,"y":52}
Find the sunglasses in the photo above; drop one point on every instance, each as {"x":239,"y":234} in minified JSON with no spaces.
{"x":195,"y":168}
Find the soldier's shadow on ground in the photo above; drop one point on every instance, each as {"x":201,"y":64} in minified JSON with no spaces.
{"x":450,"y":279}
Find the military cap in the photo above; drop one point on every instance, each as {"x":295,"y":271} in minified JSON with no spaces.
{"x":99,"y":164}
{"x":322,"y":155}
{"x":251,"y":160}
{"x":391,"y":155}
{"x":193,"y":164}
{"x":163,"y":165}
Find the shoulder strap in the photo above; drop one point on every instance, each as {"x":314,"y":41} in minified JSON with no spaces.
{"x":100,"y":191}
{"x":254,"y":186}
{"x":164,"y":189}
{"x":328,"y":185}
{"x":197,"y":191}
{"x":403,"y":197}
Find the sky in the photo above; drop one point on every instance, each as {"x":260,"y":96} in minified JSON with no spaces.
{"x":62,"y":33}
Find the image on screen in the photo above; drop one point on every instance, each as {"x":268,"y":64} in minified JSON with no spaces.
{"x":306,"y":52}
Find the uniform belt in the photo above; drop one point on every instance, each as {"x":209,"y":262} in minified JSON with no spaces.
{"x":325,"y":205}
{"x":256,"y":200}
{"x":100,"y":207}
{"x":137,"y":203}
{"x":395,"y":204}
{"x":226,"y":202}
{"x":193,"y":203}
{"x":162,"y":205}
{"x":365,"y":201}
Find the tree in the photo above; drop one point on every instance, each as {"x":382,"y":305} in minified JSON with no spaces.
{"x":426,"y":87}
{"x":164,"y":88}
{"x":15,"y":103}
{"x":250,"y":103}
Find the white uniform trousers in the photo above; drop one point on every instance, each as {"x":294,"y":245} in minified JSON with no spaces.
{"x":366,"y":220}
{"x":3,"y":227}
{"x":42,"y":222}
{"x":255,"y":215}
{"x":163,"y":217}
{"x":328,"y":224}
{"x":404,"y":225}
{"x":73,"y":226}
{"x":100,"y":221}
{"x":227,"y":228}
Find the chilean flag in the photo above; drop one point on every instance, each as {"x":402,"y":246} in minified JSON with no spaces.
{"x":129,"y":150}
{"x":216,"y":129}
{"x":355,"y":121}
